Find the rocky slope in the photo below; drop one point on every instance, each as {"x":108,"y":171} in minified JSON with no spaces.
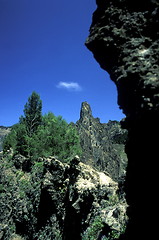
{"x":103,"y":144}
{"x":82,"y":199}
{"x":58,"y":201}
{"x":124,"y":40}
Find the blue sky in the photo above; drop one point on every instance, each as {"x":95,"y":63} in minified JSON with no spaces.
{"x":42,"y":49}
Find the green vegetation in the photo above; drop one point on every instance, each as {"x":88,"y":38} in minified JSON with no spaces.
{"x":92,"y":233}
{"x":42,"y":136}
{"x":32,"y":113}
{"x":96,"y":230}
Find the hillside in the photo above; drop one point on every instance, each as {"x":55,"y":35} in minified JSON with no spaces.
{"x":79,"y":199}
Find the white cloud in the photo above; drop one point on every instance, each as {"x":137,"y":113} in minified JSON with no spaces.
{"x":73,"y":86}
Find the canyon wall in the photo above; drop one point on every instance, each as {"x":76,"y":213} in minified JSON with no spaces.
{"x":124,"y":40}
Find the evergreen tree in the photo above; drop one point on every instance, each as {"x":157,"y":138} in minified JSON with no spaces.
{"x":21,"y":140}
{"x":32,"y":113}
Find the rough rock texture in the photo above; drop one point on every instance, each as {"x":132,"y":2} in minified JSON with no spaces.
{"x":124,"y":40}
{"x":58,"y":201}
{"x":103,"y":144}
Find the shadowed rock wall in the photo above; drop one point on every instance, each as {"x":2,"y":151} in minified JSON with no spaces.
{"x":124,"y":40}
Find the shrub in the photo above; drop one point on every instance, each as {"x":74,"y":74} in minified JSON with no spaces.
{"x":93,"y":231}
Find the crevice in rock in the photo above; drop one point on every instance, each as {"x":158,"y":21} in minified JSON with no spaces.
{"x":21,"y":228}
{"x":72,"y":224}
{"x":46,"y":209}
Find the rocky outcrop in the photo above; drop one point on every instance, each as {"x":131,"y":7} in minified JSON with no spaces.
{"x":103,"y":144}
{"x":124,"y":40}
{"x":58,"y":201}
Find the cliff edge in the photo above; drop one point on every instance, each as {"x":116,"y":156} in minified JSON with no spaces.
{"x":124,"y":38}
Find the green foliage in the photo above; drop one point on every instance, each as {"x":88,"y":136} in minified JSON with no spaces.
{"x":93,"y":231}
{"x":1,"y":188}
{"x":10,"y":140}
{"x":113,"y":199}
{"x":21,"y":141}
{"x":114,"y":235}
{"x":32,"y":113}
{"x":16,"y":140}
{"x":55,"y":137}
{"x":42,"y":136}
{"x":45,"y":233}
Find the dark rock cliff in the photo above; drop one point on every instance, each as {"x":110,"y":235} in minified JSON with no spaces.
{"x":102,"y":144}
{"x":124,"y":40}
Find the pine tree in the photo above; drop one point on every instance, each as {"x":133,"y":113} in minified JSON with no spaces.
{"x":32,"y":113}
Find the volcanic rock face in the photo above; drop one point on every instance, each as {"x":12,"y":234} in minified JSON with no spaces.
{"x":124,"y":40}
{"x":102,"y":144}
